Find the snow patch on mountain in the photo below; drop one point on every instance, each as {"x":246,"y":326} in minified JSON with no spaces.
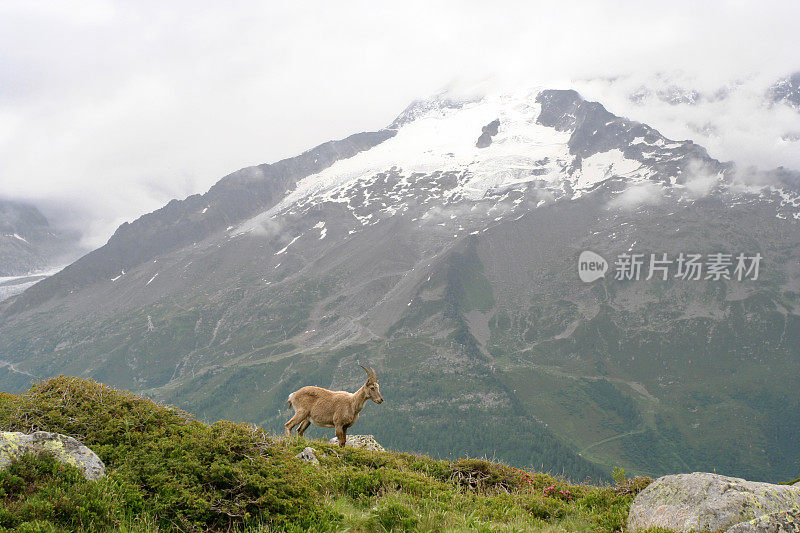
{"x":442,"y":140}
{"x":600,"y":167}
{"x":17,"y":236}
{"x":433,"y":162}
{"x":283,"y":250}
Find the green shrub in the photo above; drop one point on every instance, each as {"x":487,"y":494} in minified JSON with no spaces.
{"x":483,"y":475}
{"x":393,"y":515}
{"x":633,"y":486}
{"x":360,"y":484}
{"x":619,"y":475}
{"x":544,"y":508}
{"x":183,"y":472}
{"x":429,"y":467}
{"x":108,"y":420}
{"x":608,"y":509}
{"x":38,"y":489}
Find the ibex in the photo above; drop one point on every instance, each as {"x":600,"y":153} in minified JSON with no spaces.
{"x":331,"y":409}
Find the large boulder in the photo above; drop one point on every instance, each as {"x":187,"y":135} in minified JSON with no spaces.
{"x":367,"y":442}
{"x":708,"y":502}
{"x":66,"y":449}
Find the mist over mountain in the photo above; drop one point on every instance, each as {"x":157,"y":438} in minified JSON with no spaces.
{"x":787,"y":91}
{"x":125,"y":106}
{"x":444,"y":251}
{"x":748,"y":118}
{"x":30,"y":247}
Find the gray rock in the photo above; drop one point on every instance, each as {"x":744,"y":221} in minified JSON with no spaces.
{"x":308,"y":455}
{"x":487,"y":132}
{"x":66,"y":449}
{"x":707,"y":502}
{"x":367,"y":442}
{"x":781,"y":522}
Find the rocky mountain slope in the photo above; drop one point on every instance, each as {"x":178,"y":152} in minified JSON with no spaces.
{"x":30,"y":248}
{"x":444,"y":250}
{"x":787,"y":91}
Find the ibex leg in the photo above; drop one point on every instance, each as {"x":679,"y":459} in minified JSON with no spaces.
{"x":341,"y":435}
{"x":303,"y":426}
{"x":298,"y":418}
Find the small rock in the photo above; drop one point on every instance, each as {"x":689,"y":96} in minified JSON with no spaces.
{"x":308,"y":455}
{"x":366,"y":442}
{"x":65,"y":449}
{"x":707,"y":502}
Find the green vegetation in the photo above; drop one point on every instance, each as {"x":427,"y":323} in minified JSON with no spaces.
{"x":170,"y":472}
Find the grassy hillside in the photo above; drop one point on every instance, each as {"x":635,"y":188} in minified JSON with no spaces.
{"x":170,"y":472}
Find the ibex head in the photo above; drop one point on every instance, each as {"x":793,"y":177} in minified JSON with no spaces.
{"x":372,"y":387}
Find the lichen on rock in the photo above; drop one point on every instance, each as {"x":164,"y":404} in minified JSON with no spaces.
{"x":366,"y":442}
{"x":64,"y":448}
{"x":707,"y":502}
{"x":780,"y":522}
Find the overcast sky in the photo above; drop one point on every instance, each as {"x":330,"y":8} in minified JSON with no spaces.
{"x":110,"y":109}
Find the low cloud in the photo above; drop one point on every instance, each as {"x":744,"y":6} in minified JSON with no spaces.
{"x":729,"y":115}
{"x":109,"y":109}
{"x":700,"y":180}
{"x":638,"y":195}
{"x":268,"y":228}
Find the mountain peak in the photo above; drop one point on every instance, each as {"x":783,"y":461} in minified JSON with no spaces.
{"x":535,"y":142}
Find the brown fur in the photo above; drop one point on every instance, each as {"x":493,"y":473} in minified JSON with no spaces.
{"x":331,"y":409}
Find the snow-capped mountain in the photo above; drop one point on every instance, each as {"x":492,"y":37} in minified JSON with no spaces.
{"x":444,"y":249}
{"x":546,"y":148}
{"x":30,"y":248}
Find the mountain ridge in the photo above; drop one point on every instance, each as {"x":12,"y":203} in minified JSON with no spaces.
{"x":28,"y":242}
{"x":232,"y":195}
